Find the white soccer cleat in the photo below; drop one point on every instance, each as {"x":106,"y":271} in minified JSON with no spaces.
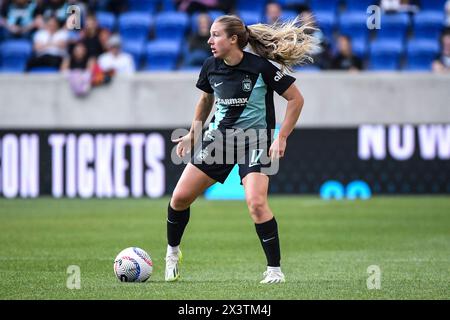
{"x":173,"y":262}
{"x":271,"y":276}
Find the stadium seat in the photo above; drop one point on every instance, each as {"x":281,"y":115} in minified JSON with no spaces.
{"x":168,"y":5}
{"x":288,"y":15}
{"x":147,"y":6}
{"x":394,"y":26}
{"x":14,"y":55}
{"x":251,"y":17}
{"x":385,"y":55}
{"x":428,"y":24}
{"x":162,"y":55}
{"x":195,"y":58}
{"x":326,"y":21}
{"x":330,"y":6}
{"x":171,"y":25}
{"x":358,"y":5}
{"x":354,"y":24}
{"x":136,"y":49}
{"x":106,"y":20}
{"x":432,"y":5}
{"x":135,"y":26}
{"x":256,"y":6}
{"x":292,"y":3}
{"x":359,"y":47}
{"x":421,"y":53}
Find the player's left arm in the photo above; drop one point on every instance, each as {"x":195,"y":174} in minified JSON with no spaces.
{"x":294,"y":108}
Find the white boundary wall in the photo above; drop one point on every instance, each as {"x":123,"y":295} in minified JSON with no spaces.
{"x":161,"y":100}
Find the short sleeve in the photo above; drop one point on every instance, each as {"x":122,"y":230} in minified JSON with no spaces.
{"x":276,"y":79}
{"x":203,"y":82}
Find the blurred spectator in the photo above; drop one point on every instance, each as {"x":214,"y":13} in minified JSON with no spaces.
{"x":273,"y":12}
{"x":115,"y":60}
{"x":50,"y":46}
{"x":399,"y":5}
{"x":191,"y":6}
{"x":447,"y":13}
{"x":90,"y":36}
{"x":19,"y":17}
{"x":78,"y":68}
{"x":322,"y":56}
{"x":55,"y":8}
{"x":78,"y":59}
{"x":345,"y":59}
{"x":199,"y":48}
{"x":442,"y":62}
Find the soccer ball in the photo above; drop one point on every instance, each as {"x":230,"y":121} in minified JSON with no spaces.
{"x":133,"y":265}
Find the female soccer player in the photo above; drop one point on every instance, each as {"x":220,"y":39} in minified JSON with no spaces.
{"x":242,"y":85}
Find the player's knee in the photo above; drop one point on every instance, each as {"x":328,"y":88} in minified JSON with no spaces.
{"x":180,"y":201}
{"x":257,"y":206}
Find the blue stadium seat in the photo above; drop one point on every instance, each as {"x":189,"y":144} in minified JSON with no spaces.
{"x":359,"y":47}
{"x":256,"y":6}
{"x":428,"y":24}
{"x":136,"y":49}
{"x":324,"y":5}
{"x":394,"y":26}
{"x":14,"y":55}
{"x":168,"y":5}
{"x":251,"y":17}
{"x":195,"y":58}
{"x":162,"y":55}
{"x":171,"y":25}
{"x":292,"y":3}
{"x":326,"y":21}
{"x":420,"y":54}
{"x":385,"y":55}
{"x":147,"y":6}
{"x":432,"y":5}
{"x":106,"y":20}
{"x":135,"y":26}
{"x":354,"y":24}
{"x":359,"y":5}
{"x":288,"y":15}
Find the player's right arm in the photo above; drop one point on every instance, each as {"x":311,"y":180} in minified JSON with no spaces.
{"x":202,"y":111}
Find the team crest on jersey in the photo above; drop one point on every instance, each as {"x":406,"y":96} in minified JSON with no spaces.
{"x":246,"y":84}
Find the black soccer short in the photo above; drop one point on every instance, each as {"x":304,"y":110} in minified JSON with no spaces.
{"x":216,"y":158}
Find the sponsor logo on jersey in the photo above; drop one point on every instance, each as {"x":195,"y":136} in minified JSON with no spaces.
{"x":233,"y":101}
{"x":278,"y":76}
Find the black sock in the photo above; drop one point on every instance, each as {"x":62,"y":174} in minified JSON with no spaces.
{"x":268,"y":235}
{"x":176,"y":222}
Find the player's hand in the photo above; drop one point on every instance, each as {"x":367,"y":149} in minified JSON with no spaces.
{"x":184,"y":144}
{"x":277,"y":149}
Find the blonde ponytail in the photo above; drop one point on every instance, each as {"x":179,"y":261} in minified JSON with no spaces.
{"x":290,"y":43}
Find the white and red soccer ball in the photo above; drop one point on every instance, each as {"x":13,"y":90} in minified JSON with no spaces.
{"x":133,"y":265}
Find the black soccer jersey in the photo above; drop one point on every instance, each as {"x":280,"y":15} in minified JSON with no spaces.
{"x":244,"y":92}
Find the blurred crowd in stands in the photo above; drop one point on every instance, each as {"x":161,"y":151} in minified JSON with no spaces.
{"x":125,"y":36}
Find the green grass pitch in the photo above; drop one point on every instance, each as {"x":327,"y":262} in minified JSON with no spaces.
{"x":327,"y":247}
